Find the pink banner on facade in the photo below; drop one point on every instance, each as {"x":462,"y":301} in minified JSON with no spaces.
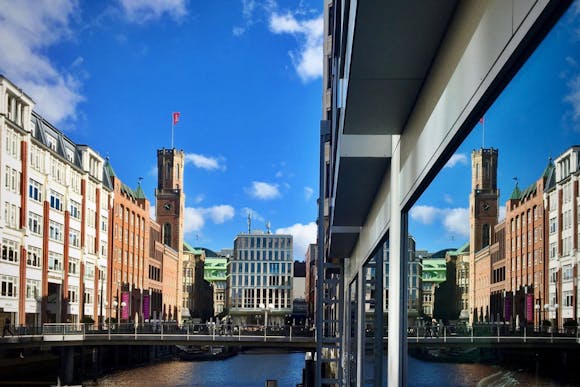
{"x":125,"y":309}
{"x":508,"y":307}
{"x":146,"y":306}
{"x":529,"y":307}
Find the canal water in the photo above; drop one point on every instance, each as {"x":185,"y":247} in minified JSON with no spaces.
{"x":286,"y":368}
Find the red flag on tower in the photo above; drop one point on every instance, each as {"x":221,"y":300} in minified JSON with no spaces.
{"x":176,"y":117}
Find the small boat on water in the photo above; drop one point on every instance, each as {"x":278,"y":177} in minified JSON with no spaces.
{"x":206,"y":353}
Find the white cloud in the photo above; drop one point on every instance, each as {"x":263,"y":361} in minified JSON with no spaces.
{"x":220,"y":214}
{"x":153,"y":171}
{"x":141,"y":11}
{"x":454,"y":220}
{"x":199,"y":198}
{"x":458,"y":158}
{"x":28,"y":29}
{"x":193,"y":220}
{"x":423,"y":214}
{"x":573,"y":98}
{"x":195,"y":217}
{"x":279,"y":174}
{"x":308,"y":192}
{"x":152,"y":213}
{"x":205,"y":162}
{"x":264,"y":191}
{"x":254,"y":213}
{"x":307,"y":59}
{"x":238,"y":31}
{"x":303,"y":235}
{"x":249,"y":8}
{"x":448,"y":198}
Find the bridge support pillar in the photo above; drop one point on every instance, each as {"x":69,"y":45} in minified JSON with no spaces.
{"x":67,"y":362}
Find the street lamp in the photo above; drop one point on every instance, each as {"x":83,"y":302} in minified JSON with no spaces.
{"x":538,"y":307}
{"x":266,"y":309}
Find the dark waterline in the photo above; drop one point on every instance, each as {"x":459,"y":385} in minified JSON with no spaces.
{"x":254,"y":369}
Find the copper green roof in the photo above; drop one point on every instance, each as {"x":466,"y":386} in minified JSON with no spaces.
{"x":127,"y":191}
{"x":549,"y":168}
{"x":188,"y":247}
{"x":516,"y":193}
{"x":549,"y":176}
{"x":192,"y":250}
{"x":139,"y":194}
{"x":109,"y":168}
{"x":462,"y":250}
{"x":529,"y":191}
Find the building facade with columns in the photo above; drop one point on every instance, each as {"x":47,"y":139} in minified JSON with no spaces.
{"x":55,"y":201}
{"x":259,"y":278}
{"x":561,"y":198}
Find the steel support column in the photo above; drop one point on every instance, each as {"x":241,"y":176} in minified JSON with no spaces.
{"x":379,"y":319}
{"x":397,"y":332}
{"x":360,"y":329}
{"x":324,"y":137}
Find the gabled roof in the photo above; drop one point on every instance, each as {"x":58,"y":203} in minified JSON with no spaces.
{"x":109,"y":168}
{"x":516,"y":193}
{"x":532,"y":189}
{"x":549,"y":175}
{"x":139,"y":194}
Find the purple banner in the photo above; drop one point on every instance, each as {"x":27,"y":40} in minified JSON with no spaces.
{"x":146,"y":306}
{"x":125,"y":309}
{"x":530,"y":307}
{"x":508,"y":307}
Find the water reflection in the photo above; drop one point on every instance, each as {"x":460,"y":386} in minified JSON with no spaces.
{"x":254,"y":369}
{"x":241,"y":370}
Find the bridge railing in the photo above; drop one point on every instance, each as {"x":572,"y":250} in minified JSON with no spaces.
{"x":227,"y":332}
{"x":172,"y":329}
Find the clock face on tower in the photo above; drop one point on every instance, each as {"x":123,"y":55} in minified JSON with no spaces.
{"x":167,"y":206}
{"x":485,"y":206}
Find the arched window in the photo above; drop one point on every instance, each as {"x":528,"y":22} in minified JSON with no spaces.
{"x":167,"y":170}
{"x":167,"y":234}
{"x":485,"y":235}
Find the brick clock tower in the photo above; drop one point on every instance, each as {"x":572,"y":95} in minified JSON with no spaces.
{"x":483,"y":200}
{"x":170,"y":209}
{"x":483,"y":216}
{"x":170,"y":204}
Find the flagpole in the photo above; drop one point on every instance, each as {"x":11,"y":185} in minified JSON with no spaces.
{"x":172,"y":124}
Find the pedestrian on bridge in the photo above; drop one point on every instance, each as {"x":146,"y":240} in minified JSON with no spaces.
{"x":7,"y":323}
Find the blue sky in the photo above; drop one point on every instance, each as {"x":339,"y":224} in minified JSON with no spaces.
{"x":246,"y":77}
{"x":536,"y":116}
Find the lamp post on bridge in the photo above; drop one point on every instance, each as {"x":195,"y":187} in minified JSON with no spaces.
{"x":538,"y":307}
{"x":266,"y":309}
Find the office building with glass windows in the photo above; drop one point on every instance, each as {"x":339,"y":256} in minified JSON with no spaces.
{"x":259,"y":281}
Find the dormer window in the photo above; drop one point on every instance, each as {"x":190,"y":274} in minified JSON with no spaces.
{"x":70,"y":155}
{"x":51,"y":142}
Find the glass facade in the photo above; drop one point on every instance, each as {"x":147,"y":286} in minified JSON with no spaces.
{"x":260,"y":276}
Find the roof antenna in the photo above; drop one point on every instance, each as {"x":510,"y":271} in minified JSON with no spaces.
{"x":268,"y":228}
{"x":249,"y":222}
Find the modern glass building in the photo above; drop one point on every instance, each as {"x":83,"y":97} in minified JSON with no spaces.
{"x":259,"y":282}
